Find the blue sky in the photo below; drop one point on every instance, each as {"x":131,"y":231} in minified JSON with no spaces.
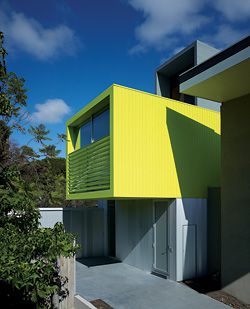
{"x":69,"y":51}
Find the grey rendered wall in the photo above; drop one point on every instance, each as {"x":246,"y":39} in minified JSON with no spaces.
{"x":50,"y":216}
{"x":134,"y":233}
{"x":191,"y":212}
{"x":214,"y":231}
{"x":235,"y":196}
{"x":203,"y":52}
{"x":87,"y":223}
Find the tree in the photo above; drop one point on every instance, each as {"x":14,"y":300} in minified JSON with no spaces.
{"x":39,"y":133}
{"x":29,"y":274}
{"x":12,"y":93}
{"x":50,"y":151}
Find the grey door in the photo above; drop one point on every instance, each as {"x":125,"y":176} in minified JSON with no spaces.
{"x":160,"y":238}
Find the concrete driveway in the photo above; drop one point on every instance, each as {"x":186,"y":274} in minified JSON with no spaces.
{"x":125,"y":287}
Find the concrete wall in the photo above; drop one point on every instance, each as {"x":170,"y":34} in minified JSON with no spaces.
{"x":214,"y":231}
{"x":191,"y":215}
{"x":134,"y":233}
{"x":235,"y":195}
{"x":67,"y":269}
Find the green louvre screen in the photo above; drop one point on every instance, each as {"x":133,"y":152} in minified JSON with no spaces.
{"x":89,"y":167}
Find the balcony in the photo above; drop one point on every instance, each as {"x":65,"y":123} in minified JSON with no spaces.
{"x":89,"y":168}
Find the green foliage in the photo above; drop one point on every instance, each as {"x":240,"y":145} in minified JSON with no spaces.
{"x":62,"y":137}
{"x":39,"y":133}
{"x":29,"y":273}
{"x":50,"y":151}
{"x":30,"y":262}
{"x":18,"y":210}
{"x":27,"y":153}
{"x":45,"y":181}
{"x":12,"y":92}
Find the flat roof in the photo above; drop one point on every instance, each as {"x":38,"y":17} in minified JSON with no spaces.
{"x":220,"y":56}
{"x":222,"y":77}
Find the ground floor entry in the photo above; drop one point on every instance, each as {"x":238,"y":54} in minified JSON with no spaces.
{"x":165,"y":237}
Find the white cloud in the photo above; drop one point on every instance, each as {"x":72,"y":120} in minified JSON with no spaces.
{"x":164,"y":19}
{"x":225,"y":35}
{"x":233,"y":10}
{"x":167,"y":22}
{"x":29,"y":35}
{"x":52,"y":111}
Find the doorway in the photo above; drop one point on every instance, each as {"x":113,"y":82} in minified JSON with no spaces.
{"x":160,"y":239}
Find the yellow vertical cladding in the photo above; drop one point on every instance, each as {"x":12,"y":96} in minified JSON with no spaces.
{"x":69,"y":142}
{"x":162,"y":147}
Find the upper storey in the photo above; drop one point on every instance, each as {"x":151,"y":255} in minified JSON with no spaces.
{"x":167,"y":75}
{"x":131,"y":144}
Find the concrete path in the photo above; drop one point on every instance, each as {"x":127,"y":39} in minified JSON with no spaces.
{"x":125,"y":287}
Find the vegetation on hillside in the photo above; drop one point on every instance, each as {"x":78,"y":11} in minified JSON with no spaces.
{"x":29,"y":273}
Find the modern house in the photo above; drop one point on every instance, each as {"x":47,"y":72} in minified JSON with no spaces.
{"x":153,"y":159}
{"x":225,"y":78}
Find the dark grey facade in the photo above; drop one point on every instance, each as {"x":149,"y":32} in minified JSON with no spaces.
{"x":235,"y":195}
{"x":167,"y":75}
{"x":225,"y":78}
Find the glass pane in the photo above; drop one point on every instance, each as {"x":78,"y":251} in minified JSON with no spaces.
{"x":101,"y":125}
{"x":86,"y":134}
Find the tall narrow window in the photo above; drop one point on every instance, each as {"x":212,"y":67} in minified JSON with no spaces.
{"x":86,"y":133}
{"x":100,"y":125}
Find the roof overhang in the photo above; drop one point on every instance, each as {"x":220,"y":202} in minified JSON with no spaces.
{"x":222,"y":77}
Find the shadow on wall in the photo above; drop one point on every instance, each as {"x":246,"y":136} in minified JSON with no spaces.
{"x":87,"y":223}
{"x":192,"y":225}
{"x":134,"y":233}
{"x":196,"y":150}
{"x":186,"y":226}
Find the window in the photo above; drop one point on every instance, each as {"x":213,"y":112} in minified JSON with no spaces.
{"x":86,"y":133}
{"x":95,"y":128}
{"x":100,"y":125}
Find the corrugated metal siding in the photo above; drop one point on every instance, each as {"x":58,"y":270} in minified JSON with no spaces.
{"x":89,"y":168}
{"x":163,"y":148}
